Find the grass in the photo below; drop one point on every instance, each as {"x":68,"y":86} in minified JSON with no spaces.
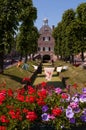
{"x":73,"y":74}
{"x":55,"y":80}
{"x":13,"y":76}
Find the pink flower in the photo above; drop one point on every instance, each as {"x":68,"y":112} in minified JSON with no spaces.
{"x":58,"y":90}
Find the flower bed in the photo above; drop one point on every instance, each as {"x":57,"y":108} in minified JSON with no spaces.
{"x":42,"y":105}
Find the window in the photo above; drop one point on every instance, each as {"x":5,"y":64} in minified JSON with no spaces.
{"x":46,"y":48}
{"x":49,"y":38}
{"x":43,"y":48}
{"x":38,"y":48}
{"x":43,"y":38}
{"x":49,"y":49}
{"x":46,"y":39}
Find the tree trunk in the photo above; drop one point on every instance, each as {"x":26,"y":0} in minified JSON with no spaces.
{"x":1,"y":58}
{"x":25,"y":57}
{"x":21,"y":56}
{"x":82,"y":55}
{"x":71,"y":58}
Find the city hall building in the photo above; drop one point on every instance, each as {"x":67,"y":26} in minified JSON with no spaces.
{"x":46,"y":42}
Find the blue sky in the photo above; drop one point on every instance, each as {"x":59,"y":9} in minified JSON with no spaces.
{"x":53,"y":10}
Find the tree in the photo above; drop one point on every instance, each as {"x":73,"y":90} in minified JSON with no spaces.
{"x":33,"y":39}
{"x":30,"y":41}
{"x":57,"y":34}
{"x":27,"y":17}
{"x":67,"y":18}
{"x":8,"y":24}
{"x":60,"y":34}
{"x":14,"y":12}
{"x":81,"y":17}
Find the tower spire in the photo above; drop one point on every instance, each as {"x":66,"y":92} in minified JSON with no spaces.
{"x":45,"y":21}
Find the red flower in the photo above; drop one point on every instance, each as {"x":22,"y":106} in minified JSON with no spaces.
{"x":2,"y":96}
{"x":31,"y":115}
{"x":64,"y":95}
{"x":75,"y":86}
{"x":41,"y":102}
{"x":26,"y":79}
{"x":42,"y":93}
{"x":25,"y":110}
{"x":2,"y":128}
{"x":30,"y":99}
{"x":31,"y":90}
{"x":15,"y":114}
{"x":43,"y":84}
{"x":4,"y":119}
{"x":20,"y":97}
{"x":20,"y":91}
{"x":12,"y":114}
{"x":56,"y":111}
{"x":10,"y":92}
{"x":10,"y":106}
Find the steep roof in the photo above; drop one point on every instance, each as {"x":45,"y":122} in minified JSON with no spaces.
{"x":45,"y":28}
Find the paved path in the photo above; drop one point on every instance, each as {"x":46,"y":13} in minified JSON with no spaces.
{"x":55,"y":80}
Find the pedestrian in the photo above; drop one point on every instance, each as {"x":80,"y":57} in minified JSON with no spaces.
{"x":52,"y":62}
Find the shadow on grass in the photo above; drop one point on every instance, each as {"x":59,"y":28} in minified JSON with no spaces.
{"x":16,"y":78}
{"x":64,"y":79}
{"x":55,"y":75}
{"x":56,"y":84}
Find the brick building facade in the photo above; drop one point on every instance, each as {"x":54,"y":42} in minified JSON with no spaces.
{"x":46,"y":42}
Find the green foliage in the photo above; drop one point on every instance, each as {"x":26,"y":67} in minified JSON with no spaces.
{"x":28,"y":33}
{"x":70,"y":33}
{"x":81,"y":12}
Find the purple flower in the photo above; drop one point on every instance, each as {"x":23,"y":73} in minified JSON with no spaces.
{"x":76,"y":110}
{"x":82,"y":98}
{"x":83,"y":118}
{"x":75,"y":99}
{"x":69,"y":113}
{"x":69,"y":108}
{"x":84,"y":90}
{"x":45,"y":117}
{"x":84,"y":112}
{"x":44,"y":108}
{"x":72,"y":120}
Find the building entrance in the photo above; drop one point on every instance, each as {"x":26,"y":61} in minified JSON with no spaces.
{"x":46,"y":58}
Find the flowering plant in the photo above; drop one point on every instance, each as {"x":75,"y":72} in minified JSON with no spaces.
{"x":41,"y":104}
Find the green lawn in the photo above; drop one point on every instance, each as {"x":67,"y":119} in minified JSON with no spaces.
{"x":73,"y":74}
{"x":13,"y":76}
